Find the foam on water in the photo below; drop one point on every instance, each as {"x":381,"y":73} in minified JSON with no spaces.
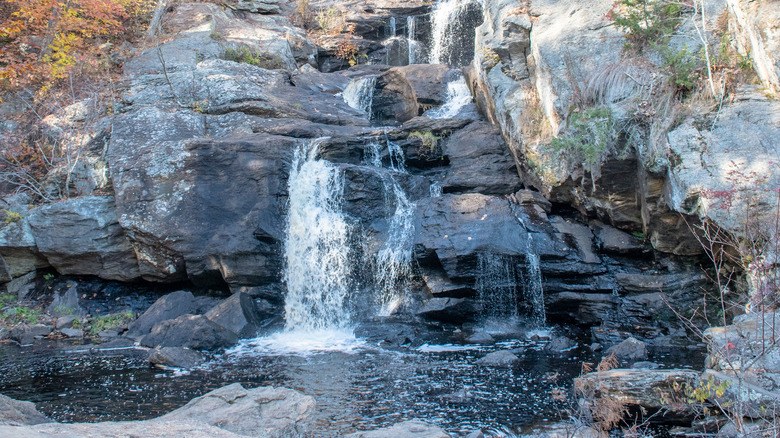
{"x":300,"y":343}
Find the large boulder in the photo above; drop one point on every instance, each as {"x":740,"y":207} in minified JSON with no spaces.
{"x":429,"y":81}
{"x":629,"y":350}
{"x":480,"y":162}
{"x":239,"y":314}
{"x":19,"y":253}
{"x":82,"y":236}
{"x":265,"y":411}
{"x":191,"y":331}
{"x":227,"y":412}
{"x":19,"y":413}
{"x":756,"y":26}
{"x":453,"y":230}
{"x":638,"y":387}
{"x":167,"y":307}
{"x":724,"y":168}
{"x":178,"y":357}
{"x":452,"y":310}
{"x":207,"y":209}
{"x":394,"y":98}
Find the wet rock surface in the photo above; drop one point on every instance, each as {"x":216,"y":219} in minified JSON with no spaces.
{"x":231,"y":411}
{"x":190,"y":331}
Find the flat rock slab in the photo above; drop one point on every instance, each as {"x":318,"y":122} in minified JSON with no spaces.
{"x":228,"y":412}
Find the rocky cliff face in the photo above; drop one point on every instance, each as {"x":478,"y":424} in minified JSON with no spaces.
{"x":197,"y":155}
{"x":548,"y":68}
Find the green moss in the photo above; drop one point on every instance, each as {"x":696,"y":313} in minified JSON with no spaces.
{"x":246,"y":55}
{"x":10,"y":216}
{"x":107,"y":322}
{"x":19,"y":314}
{"x":430,"y":143}
{"x":7,"y":300}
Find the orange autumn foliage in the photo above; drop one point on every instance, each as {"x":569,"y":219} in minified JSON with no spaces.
{"x":42,"y":41}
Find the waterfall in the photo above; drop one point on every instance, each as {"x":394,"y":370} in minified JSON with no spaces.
{"x":453,"y":23}
{"x":412,"y":43}
{"x":435,"y":189}
{"x":391,"y":24}
{"x":458,"y":96}
{"x":359,"y":94}
{"x":497,"y":286}
{"x":316,"y":250}
{"x":392,"y":263}
{"x":533,"y":291}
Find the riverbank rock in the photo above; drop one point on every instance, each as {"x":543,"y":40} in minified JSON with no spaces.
{"x":19,"y":413}
{"x":410,"y":429}
{"x":394,"y":99}
{"x":750,"y":339}
{"x":639,"y":387}
{"x":240,"y":314}
{"x":83,"y":236}
{"x":177,"y":357}
{"x":228,"y":412}
{"x":166,"y":307}
{"x":452,"y":310}
{"x":629,"y":350}
{"x":499,"y":359}
{"x":564,"y":430}
{"x":269,"y":411}
{"x":19,"y":253}
{"x":191,"y":331}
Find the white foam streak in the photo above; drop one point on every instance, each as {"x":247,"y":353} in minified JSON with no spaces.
{"x":458,"y":96}
{"x":301,"y":343}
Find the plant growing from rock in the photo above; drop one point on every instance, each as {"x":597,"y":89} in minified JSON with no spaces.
{"x":429,"y":147}
{"x":646,"y":22}
{"x":348,"y":51}
{"x":112,"y":320}
{"x":331,"y":21}
{"x":587,"y":137}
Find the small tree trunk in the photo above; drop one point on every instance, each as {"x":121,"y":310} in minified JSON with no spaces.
{"x":159,"y":11}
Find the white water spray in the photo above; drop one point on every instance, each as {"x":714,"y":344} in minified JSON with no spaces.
{"x":443,"y":15}
{"x":359,"y":94}
{"x":458,"y":96}
{"x":316,"y":251}
{"x":393,"y":261}
{"x":413,"y":44}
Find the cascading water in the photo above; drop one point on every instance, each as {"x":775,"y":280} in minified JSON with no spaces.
{"x":533,"y":291}
{"x":497,"y":286}
{"x":316,"y":250}
{"x":413,"y":44}
{"x":458,"y":96}
{"x":393,"y":261}
{"x":359,"y":94}
{"x":452,"y":37}
{"x":317,"y":267}
{"x":435,"y":190}
{"x":391,"y":25}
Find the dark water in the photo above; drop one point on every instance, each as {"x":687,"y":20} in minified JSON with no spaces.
{"x":365,"y":390}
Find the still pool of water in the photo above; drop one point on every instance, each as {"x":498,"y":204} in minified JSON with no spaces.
{"x":366,"y":388}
